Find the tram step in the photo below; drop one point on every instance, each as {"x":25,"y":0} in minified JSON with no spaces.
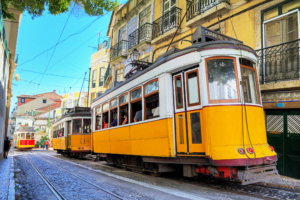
{"x":259,"y":173}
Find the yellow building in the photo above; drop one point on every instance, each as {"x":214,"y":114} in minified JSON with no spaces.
{"x":99,"y":72}
{"x":269,"y":27}
{"x":71,"y":100}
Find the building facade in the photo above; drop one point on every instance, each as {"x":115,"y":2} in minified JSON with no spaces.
{"x":130,"y":29}
{"x":271,"y":28}
{"x":99,"y":72}
{"x":9,"y":33}
{"x":71,"y":100}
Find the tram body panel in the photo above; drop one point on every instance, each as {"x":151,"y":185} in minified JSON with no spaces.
{"x":81,"y":143}
{"x":60,"y":143}
{"x":25,"y":144}
{"x":153,"y":138}
{"x":226,"y":134}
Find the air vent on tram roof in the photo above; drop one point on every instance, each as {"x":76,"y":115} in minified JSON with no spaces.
{"x":203,"y":34}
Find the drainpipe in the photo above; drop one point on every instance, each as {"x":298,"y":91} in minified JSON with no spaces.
{"x":89,"y":89}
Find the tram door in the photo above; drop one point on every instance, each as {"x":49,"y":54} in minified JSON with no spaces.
{"x":69,"y":129}
{"x":188,"y":113}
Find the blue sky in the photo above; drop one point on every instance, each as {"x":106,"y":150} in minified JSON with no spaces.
{"x":71,"y":58}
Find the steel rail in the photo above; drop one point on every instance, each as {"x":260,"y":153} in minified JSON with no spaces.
{"x":83,"y":179}
{"x":53,"y":189}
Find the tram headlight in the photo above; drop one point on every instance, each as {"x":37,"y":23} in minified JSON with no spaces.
{"x":250,"y":150}
{"x":271,"y":148}
{"x":241,"y":151}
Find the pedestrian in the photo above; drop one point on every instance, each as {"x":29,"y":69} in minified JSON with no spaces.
{"x":49,"y":144}
{"x":6,"y":147}
{"x":43,"y":143}
{"x":46,"y":144}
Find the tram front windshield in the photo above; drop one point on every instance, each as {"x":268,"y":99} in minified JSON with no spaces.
{"x":32,"y":136}
{"x":87,"y":125}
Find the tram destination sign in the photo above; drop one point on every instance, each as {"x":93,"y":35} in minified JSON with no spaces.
{"x":82,"y":109}
{"x":203,"y":34}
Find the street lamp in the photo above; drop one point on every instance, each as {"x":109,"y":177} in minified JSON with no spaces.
{"x":134,"y":56}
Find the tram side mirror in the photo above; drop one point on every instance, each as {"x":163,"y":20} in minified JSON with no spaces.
{"x":210,"y":78}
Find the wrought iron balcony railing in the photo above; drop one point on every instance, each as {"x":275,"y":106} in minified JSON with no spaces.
{"x":166,"y":22}
{"x":108,"y":74}
{"x":279,"y":62}
{"x":144,"y":33}
{"x":200,"y":6}
{"x":118,"y":49}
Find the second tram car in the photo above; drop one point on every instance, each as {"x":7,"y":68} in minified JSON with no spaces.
{"x":72,"y":133}
{"x":197,"y":109}
{"x":25,"y":139}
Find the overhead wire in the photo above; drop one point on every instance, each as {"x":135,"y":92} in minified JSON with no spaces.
{"x":56,"y":45}
{"x":243,"y":104}
{"x":47,"y":74}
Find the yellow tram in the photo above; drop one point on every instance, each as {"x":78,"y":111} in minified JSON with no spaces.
{"x":25,"y":139}
{"x":197,"y":109}
{"x":72,"y":133}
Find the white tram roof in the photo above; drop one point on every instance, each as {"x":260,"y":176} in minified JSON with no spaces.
{"x":75,"y":114}
{"x":173,"y":53}
{"x":25,"y":130}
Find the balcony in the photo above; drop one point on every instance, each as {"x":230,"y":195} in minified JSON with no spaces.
{"x":201,"y":9}
{"x":141,"y":36}
{"x":107,"y":76}
{"x":279,"y":62}
{"x":119,"y":49}
{"x":165,"y":23}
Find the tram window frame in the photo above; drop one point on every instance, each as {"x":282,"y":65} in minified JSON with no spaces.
{"x":97,"y":115}
{"x":187,"y":88}
{"x":123,"y":105}
{"x":29,"y":136}
{"x":106,"y":112}
{"x":24,"y":136}
{"x":139,"y":99}
{"x":256,"y":77}
{"x":83,"y":126}
{"x":146,"y":96}
{"x":32,"y":136}
{"x":181,"y":96}
{"x":238,"y":100}
{"x":73,"y":124}
{"x":69,"y":125}
{"x":111,"y":112}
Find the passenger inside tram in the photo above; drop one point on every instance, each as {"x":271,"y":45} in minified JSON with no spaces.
{"x":136,"y":111}
{"x":105,"y":120}
{"x":123,"y":114}
{"x":152,"y":105}
{"x":114,"y":117}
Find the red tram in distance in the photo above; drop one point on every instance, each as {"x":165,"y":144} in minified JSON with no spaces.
{"x":25,"y":139}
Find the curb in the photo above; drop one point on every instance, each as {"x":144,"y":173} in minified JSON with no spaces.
{"x":283,"y":186}
{"x":11,"y":189}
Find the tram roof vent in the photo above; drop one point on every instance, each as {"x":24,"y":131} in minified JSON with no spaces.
{"x":203,"y":34}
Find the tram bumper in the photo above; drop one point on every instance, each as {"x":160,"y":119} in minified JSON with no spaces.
{"x":259,"y":173}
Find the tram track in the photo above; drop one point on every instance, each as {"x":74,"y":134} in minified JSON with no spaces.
{"x":54,"y":190}
{"x":255,"y":190}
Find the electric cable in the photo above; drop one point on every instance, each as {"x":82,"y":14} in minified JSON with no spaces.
{"x":48,"y":74}
{"x":243,"y":104}
{"x":56,"y":45}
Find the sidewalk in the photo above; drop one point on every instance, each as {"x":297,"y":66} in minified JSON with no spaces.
{"x":7,"y":182}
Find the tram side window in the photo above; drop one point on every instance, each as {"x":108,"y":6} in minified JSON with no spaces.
{"x":123,"y":102}
{"x":193,"y":88}
{"x":221,"y":77}
{"x":151,"y":99}
{"x":32,"y":136}
{"x":69,"y":128}
{"x":178,"y":84}
{"x":23,"y":136}
{"x":105,"y":116}
{"x":27,"y":136}
{"x":77,"y":126}
{"x":87,"y":126}
{"x":113,"y":113}
{"x":98,"y":118}
{"x":136,"y":105}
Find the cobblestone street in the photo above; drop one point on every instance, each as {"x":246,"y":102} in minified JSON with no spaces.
{"x":85,"y":179}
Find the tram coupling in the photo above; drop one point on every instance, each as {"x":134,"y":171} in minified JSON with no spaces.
{"x":259,"y":173}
